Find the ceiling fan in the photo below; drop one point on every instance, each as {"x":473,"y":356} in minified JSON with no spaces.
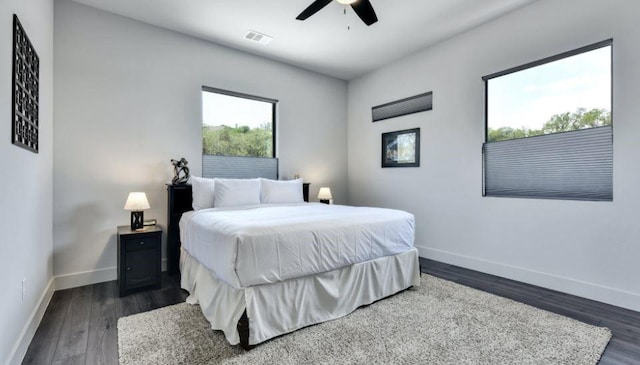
{"x":363,"y":8}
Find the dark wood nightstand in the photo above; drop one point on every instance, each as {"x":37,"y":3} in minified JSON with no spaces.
{"x":139,"y":258}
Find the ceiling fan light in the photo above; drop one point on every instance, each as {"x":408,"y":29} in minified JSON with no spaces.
{"x":346,"y":2}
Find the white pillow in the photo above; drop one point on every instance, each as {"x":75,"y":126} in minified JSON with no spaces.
{"x":203,"y":192}
{"x":233,"y":192}
{"x":280,"y":192}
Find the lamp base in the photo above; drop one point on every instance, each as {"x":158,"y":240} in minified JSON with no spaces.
{"x":327,"y":201}
{"x":137,"y":220}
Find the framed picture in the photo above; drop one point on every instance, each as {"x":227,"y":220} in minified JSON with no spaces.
{"x":401,"y":148}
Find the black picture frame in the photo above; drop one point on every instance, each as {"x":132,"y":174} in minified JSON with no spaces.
{"x":401,"y":148}
{"x":26,"y":84}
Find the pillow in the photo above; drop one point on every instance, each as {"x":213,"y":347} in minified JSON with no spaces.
{"x":203,"y":192}
{"x":279,"y":192}
{"x":233,"y":192}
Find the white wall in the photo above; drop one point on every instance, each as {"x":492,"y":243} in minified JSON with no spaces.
{"x":585,"y":248}
{"x":128,"y":100}
{"x":25,"y":182}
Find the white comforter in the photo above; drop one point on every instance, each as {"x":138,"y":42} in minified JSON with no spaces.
{"x":270,"y":243}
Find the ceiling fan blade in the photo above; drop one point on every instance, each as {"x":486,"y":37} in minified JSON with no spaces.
{"x":365,"y":11}
{"x":313,"y":8}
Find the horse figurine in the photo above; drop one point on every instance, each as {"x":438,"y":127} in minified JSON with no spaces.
{"x":180,"y":171}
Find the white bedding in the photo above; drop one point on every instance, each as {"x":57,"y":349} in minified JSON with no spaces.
{"x":270,"y":243}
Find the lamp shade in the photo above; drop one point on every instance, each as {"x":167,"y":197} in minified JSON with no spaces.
{"x":325,"y":194}
{"x":137,"y":202}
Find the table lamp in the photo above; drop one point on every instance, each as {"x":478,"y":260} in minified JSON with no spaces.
{"x":325,"y":195}
{"x":137,"y":202}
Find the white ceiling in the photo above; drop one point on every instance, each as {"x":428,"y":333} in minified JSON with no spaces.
{"x":321,"y":43}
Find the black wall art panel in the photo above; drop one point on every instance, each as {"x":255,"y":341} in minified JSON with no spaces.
{"x":26,"y":65}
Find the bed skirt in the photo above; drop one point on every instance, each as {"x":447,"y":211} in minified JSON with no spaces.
{"x":282,"y":307}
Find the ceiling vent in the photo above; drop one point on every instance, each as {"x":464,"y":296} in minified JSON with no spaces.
{"x":258,"y":37}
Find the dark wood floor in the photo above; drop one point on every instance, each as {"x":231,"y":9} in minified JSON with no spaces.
{"x":79,"y":326}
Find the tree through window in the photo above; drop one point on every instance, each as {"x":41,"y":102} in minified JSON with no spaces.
{"x":237,"y":125}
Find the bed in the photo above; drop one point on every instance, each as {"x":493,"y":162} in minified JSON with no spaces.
{"x":259,"y":271}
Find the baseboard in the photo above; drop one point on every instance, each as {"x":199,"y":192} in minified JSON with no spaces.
{"x":29,"y":330}
{"x":600,"y":293}
{"x":92,"y":277}
{"x":59,"y":283}
{"x":86,"y":278}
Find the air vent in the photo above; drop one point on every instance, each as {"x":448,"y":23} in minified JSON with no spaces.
{"x":414,"y":104}
{"x":258,"y":37}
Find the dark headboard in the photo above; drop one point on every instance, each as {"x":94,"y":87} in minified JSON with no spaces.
{"x":180,"y":198}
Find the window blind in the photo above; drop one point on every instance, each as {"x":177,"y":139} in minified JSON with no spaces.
{"x":410,"y":105}
{"x":570,"y":165}
{"x":239,"y":167}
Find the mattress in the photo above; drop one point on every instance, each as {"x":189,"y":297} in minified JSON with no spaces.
{"x":265,"y":244}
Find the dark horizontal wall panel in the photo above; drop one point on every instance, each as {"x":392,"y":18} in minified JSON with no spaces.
{"x":575,"y":165}
{"x":235,"y":167}
{"x":413,"y":104}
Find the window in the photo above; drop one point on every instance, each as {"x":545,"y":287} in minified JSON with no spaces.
{"x":549,"y":128}
{"x":237,"y":125}
{"x":237,"y":128}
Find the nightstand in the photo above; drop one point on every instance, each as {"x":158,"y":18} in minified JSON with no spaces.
{"x":139,"y":255}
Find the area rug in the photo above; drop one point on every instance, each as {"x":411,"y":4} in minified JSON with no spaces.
{"x":439,"y":322}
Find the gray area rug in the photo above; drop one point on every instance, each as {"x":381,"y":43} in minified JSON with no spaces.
{"x":438,"y":323}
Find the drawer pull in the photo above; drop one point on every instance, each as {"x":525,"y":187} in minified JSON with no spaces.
{"x":128,"y":269}
{"x":141,"y":243}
